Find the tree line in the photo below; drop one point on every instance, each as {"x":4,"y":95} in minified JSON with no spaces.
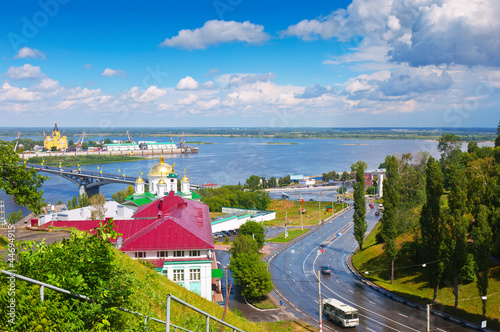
{"x":457,"y":229}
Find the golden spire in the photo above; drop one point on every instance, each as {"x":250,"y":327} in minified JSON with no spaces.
{"x":185,"y":178}
{"x":162,"y":159}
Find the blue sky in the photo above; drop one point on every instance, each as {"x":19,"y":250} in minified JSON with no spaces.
{"x":241,"y":63}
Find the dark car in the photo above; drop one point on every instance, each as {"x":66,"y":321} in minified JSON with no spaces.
{"x":325,"y":269}
{"x":377,"y":213}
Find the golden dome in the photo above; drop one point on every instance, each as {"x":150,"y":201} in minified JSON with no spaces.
{"x":139,"y":180}
{"x":161,"y":168}
{"x":185,"y":178}
{"x":162,"y":181}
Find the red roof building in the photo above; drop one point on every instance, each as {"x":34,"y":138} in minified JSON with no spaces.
{"x":173,"y":233}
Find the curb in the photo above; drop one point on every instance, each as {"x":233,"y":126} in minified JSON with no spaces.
{"x":410,"y":303}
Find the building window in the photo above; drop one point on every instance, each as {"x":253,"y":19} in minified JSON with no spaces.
{"x":140,"y":254}
{"x":194,"y":253}
{"x":194,"y":274}
{"x":178,"y":253}
{"x":179,"y":275}
{"x":161,"y":254}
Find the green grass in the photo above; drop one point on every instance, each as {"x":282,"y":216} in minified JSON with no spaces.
{"x":81,"y":160}
{"x":409,"y":283}
{"x":292,"y":234}
{"x":149,"y":296}
{"x":262,"y":303}
{"x":292,"y":209}
{"x":293,"y":326}
{"x":3,"y":242}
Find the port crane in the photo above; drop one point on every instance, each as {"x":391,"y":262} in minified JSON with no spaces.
{"x":129,"y":137}
{"x":80,"y":141}
{"x":17,"y":140}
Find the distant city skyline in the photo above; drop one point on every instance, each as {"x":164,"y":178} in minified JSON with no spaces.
{"x":235,"y":63}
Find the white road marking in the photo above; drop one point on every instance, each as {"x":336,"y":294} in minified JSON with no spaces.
{"x":440,"y":329}
{"x":302,"y":290}
{"x":402,"y":315}
{"x":371,"y":301}
{"x":351,"y":291}
{"x":369,"y":329}
{"x":337,"y":281}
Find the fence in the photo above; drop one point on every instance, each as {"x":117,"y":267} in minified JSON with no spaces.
{"x":170,"y":297}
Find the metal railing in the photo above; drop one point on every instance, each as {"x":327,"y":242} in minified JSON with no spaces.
{"x":170,"y":297}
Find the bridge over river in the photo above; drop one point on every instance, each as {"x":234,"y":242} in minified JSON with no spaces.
{"x":88,"y":181}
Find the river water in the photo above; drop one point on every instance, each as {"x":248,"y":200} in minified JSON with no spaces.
{"x":232,"y":160}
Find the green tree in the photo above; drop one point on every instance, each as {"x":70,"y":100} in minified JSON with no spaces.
{"x":392,"y":187}
{"x":85,"y":146}
{"x":85,"y":264}
{"x":97,"y":211}
{"x":431,"y":224}
{"x":83,"y":200}
{"x":360,"y":224}
{"x":74,"y":203}
{"x":16,"y":180}
{"x":107,"y":141}
{"x":272,"y":182}
{"x":284,"y":181}
{"x":472,"y":146}
{"x":483,"y":240}
{"x":253,"y":182}
{"x":69,"y":205}
{"x":449,"y":146}
{"x":247,"y":268}
{"x":254,"y":230}
{"x":455,"y":229}
{"x":71,"y":143}
{"x":497,"y":140}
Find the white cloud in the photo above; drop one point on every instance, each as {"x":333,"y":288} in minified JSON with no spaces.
{"x":313,"y":91}
{"x":47,"y":84}
{"x":27,"y":52}
{"x":235,"y":80}
{"x":108,"y":72}
{"x":87,"y":66}
{"x":212,"y":72}
{"x":25,"y":72}
{"x":189,"y":100}
{"x":14,"y":94}
{"x":151,"y":94}
{"x":311,"y":29}
{"x":207,"y":104}
{"x":188,"y":83}
{"x":79,"y":93}
{"x":216,"y":32}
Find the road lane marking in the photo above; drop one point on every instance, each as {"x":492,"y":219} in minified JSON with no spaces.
{"x":369,"y":329}
{"x":402,"y":315}
{"x":371,"y":301}
{"x":302,"y":290}
{"x":351,"y":291}
{"x":440,"y":329}
{"x":337,"y":281}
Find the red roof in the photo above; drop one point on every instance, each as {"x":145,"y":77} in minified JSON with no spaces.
{"x":169,"y":223}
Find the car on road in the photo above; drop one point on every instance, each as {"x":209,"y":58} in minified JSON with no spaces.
{"x":372,"y":206}
{"x":377,"y":213}
{"x":325,"y":269}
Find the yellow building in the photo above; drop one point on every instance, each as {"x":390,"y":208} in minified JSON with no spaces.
{"x":56,"y":140}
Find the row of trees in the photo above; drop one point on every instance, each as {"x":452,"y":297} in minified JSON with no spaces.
{"x":234,"y":196}
{"x":247,"y":268}
{"x":458,"y":228}
{"x":14,"y":217}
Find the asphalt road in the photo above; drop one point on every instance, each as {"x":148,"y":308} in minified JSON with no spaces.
{"x":295,"y":270}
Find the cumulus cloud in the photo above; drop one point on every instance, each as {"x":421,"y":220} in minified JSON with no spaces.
{"x":108,"y":72}
{"x":189,"y":100}
{"x":27,"y":52}
{"x":216,"y":32}
{"x":14,"y":94}
{"x":404,"y":83}
{"x":424,"y":32}
{"x":235,"y":80}
{"x":25,"y":72}
{"x":311,"y":29}
{"x":188,"y":83}
{"x":151,"y":94}
{"x":313,"y":91}
{"x":47,"y":84}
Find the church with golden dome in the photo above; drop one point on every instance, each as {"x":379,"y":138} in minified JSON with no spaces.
{"x":55,"y":140}
{"x":162,"y":180}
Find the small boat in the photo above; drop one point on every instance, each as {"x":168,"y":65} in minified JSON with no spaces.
{"x":285,"y":196}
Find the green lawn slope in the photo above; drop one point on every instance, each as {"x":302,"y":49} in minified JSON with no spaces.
{"x":409,"y":283}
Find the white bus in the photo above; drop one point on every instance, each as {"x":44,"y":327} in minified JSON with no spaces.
{"x":340,"y":313}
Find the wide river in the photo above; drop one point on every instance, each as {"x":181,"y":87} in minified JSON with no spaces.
{"x":233,"y":160}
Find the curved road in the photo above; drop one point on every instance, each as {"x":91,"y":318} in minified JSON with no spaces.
{"x":294,"y":273}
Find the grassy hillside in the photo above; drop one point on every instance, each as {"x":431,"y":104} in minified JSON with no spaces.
{"x":149,"y":296}
{"x":292,"y":211}
{"x":409,"y":283}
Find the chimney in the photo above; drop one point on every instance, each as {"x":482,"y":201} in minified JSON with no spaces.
{"x":120,"y":211}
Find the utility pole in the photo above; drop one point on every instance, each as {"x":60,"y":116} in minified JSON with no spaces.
{"x":319,"y":297}
{"x":428,"y":318}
